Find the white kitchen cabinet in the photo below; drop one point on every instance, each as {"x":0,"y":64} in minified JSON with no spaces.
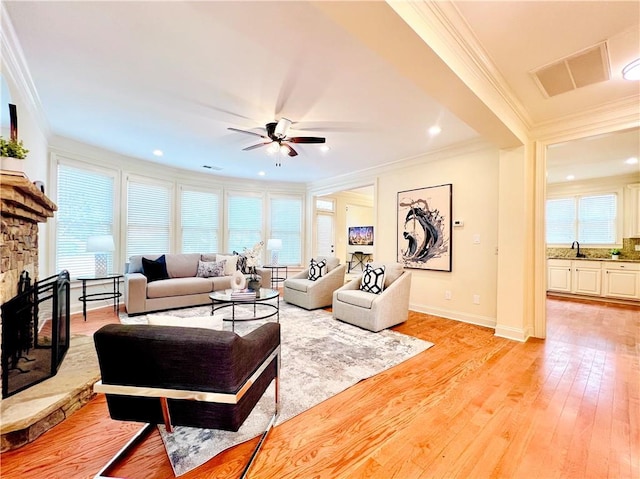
{"x":621,"y":280}
{"x":587,"y":277}
{"x":559,"y":275}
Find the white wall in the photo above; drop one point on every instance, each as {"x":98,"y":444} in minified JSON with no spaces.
{"x":474,"y":176}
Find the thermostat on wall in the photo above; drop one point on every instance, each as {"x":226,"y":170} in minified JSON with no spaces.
{"x":458,"y":223}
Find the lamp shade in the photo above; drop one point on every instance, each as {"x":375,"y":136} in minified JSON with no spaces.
{"x":100,"y":244}
{"x":274,"y":244}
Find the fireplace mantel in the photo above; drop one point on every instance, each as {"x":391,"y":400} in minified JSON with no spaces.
{"x":22,"y":199}
{"x":23,"y":206}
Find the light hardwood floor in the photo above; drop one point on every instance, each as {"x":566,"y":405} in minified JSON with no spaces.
{"x":473,"y":406}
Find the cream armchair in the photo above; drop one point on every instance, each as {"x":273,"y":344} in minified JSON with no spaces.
{"x":375,"y":312}
{"x":308,"y":294}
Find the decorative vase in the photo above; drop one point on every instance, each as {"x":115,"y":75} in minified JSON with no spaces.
{"x":615,"y":256}
{"x":254,"y":283}
{"x":11,"y":166}
{"x":238,"y":281}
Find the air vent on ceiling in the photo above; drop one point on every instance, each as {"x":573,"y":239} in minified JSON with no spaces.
{"x":210,"y":167}
{"x":581,"y":69}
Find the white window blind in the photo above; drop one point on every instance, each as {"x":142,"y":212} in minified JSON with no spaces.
{"x":597,"y":219}
{"x":85,"y":208}
{"x":244,"y":222}
{"x":286,"y":224}
{"x":200,"y":221}
{"x":589,"y":219}
{"x":561,"y":220}
{"x":148,"y":218}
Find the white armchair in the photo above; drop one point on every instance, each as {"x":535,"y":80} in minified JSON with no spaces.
{"x":301,"y":291}
{"x":375,"y":312}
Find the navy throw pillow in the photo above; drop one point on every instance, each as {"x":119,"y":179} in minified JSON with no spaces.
{"x":155,"y":269}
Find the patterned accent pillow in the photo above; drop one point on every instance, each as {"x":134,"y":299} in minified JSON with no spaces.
{"x":372,"y":279}
{"x":210,"y":269}
{"x":241,"y":265}
{"x":317,"y":269}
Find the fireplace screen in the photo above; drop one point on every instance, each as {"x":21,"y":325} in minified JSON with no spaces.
{"x":35,"y":332}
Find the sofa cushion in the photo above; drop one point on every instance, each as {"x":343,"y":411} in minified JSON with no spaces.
{"x":210,"y":269}
{"x":299,"y":284}
{"x":317,"y":269}
{"x":183,"y":265}
{"x":155,"y":270}
{"x":208,"y":257}
{"x":221,"y":282}
{"x":135,"y":262}
{"x":356,"y":297}
{"x":231,"y":262}
{"x":372,"y":279}
{"x":392,"y":271}
{"x":207,"y":321}
{"x":179,"y":287}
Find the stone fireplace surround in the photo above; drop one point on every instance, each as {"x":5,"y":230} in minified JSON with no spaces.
{"x":29,"y":413}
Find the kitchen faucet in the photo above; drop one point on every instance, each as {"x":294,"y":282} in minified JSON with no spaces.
{"x":578,"y":254}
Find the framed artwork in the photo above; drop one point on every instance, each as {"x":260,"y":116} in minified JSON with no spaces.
{"x":424,"y":227}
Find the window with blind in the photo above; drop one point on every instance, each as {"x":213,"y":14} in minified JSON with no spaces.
{"x":148,"y":218}
{"x":286,"y":224}
{"x":244,"y":221}
{"x":199,"y":219}
{"x":85,"y":201}
{"x":589,"y":219}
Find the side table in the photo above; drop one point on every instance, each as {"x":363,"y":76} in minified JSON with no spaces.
{"x":114,"y":294}
{"x":275,"y":274}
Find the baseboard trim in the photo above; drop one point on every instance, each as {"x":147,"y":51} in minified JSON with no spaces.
{"x":478,"y":320}
{"x":515,"y":334}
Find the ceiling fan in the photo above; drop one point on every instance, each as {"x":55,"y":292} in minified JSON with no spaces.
{"x":277,"y":136}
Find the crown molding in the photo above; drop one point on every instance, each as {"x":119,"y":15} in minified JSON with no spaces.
{"x":445,"y":30}
{"x":613,"y":116}
{"x":15,"y":66}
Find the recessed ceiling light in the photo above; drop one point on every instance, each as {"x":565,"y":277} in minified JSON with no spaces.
{"x":435,"y":130}
{"x":570,"y":177}
{"x":631,"y":161}
{"x":261,"y":173}
{"x":158,"y":152}
{"x":324,"y":148}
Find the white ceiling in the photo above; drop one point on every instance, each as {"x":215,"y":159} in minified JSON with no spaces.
{"x":135,"y":76}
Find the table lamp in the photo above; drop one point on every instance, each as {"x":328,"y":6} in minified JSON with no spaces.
{"x":274,"y":245}
{"x":101,"y":245}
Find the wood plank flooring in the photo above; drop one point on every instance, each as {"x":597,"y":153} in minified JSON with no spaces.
{"x":473,"y":406}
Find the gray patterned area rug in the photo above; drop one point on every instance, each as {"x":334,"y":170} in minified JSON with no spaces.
{"x":320,"y":358}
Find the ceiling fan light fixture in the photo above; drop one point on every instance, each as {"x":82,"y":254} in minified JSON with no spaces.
{"x":282,"y":127}
{"x":632,"y":70}
{"x":284,"y":149}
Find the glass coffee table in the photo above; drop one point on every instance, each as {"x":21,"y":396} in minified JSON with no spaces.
{"x":261,"y":305}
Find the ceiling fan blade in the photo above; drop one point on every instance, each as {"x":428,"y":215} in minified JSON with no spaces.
{"x":306,"y":139}
{"x":247,"y":132}
{"x":253,"y":147}
{"x":291,"y":152}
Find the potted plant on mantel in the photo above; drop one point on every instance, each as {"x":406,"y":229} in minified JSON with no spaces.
{"x":615,"y":253}
{"x":12,"y":155}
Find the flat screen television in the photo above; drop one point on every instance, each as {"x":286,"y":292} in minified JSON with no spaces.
{"x":360,"y":235}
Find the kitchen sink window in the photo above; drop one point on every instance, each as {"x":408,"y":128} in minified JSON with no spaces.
{"x":589,"y":219}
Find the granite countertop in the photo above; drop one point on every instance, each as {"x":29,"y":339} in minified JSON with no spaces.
{"x":623,"y":260}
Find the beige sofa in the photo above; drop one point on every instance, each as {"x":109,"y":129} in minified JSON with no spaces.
{"x":181,"y":289}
